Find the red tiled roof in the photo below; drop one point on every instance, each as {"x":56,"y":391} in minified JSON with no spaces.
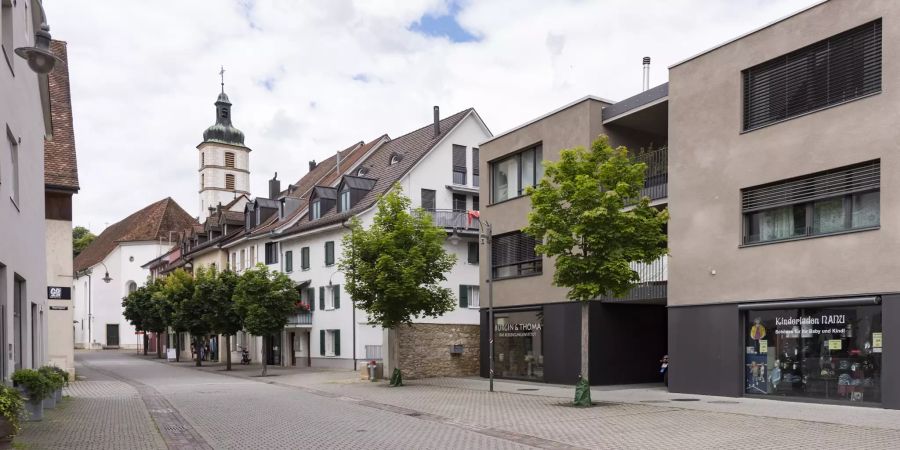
{"x":60,"y":164}
{"x":149,"y":224}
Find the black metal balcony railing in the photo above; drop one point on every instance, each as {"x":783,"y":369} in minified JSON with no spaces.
{"x":300,"y":318}
{"x":656,"y":178}
{"x":449,"y":218}
{"x":653,"y":285}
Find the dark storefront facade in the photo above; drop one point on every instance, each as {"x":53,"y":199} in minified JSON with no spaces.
{"x":827,"y":350}
{"x":543,"y":343}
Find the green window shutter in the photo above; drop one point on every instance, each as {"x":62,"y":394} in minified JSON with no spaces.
{"x":289,"y":261}
{"x":321,"y":297}
{"x":336,"y":292}
{"x":322,"y":342}
{"x":311,"y":297}
{"x":304,"y":258}
{"x":463,"y":296}
{"x":337,"y":342}
{"x":329,"y":253}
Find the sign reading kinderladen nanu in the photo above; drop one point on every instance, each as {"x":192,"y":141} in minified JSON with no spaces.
{"x":517,"y":329}
{"x":811,"y":325}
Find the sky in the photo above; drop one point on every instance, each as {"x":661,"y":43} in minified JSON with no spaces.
{"x":309,"y":78}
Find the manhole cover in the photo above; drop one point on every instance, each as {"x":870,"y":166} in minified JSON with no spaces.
{"x":724,"y":402}
{"x":685,"y":399}
{"x":654,"y":401}
{"x":528,"y":389}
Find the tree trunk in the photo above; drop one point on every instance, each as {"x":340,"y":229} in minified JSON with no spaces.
{"x":177,"y":347}
{"x":265,"y":358}
{"x":197,"y":346}
{"x":585,"y":339}
{"x":393,"y":349}
{"x":158,"y":346}
{"x":227,"y":352}
{"x":146,"y":342}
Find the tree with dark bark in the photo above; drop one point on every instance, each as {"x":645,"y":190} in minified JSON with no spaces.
{"x":265,"y":299}
{"x":222,"y":316}
{"x":177,"y":288}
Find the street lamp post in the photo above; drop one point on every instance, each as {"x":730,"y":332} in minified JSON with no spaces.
{"x":486,"y":233}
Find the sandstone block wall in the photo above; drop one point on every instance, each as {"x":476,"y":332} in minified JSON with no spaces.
{"x":425,"y":350}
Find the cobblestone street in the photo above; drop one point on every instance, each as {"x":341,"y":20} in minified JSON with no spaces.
{"x":125,"y":401}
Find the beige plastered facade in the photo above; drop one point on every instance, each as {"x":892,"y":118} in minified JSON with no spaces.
{"x":711,"y":160}
{"x":61,"y":337}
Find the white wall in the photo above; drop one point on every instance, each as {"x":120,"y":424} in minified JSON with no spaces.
{"x":213,"y":154}
{"x":104,"y":300}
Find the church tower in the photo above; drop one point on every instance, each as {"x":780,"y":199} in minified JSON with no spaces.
{"x":224,"y":160}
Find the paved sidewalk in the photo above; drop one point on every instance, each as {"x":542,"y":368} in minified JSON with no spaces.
{"x":629,"y":416}
{"x":100,"y":413}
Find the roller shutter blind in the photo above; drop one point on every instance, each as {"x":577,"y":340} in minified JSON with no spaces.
{"x":835,"y":70}
{"x":847,"y":180}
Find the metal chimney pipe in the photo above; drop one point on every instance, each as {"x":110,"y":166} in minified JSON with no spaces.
{"x":437,"y":121}
{"x":646,"y":73}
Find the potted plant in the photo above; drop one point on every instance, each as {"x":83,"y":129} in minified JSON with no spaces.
{"x":11,"y":407}
{"x":56,"y":383}
{"x":36,"y":388}
{"x":65,"y":376}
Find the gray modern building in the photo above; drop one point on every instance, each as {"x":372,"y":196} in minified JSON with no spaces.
{"x":24,"y":123}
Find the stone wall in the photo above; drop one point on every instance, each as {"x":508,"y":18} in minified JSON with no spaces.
{"x":425,"y":350}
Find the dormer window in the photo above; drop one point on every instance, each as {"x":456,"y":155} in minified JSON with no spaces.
{"x":395,"y":158}
{"x":345,"y":200}
{"x":315,"y":210}
{"x":362,"y":171}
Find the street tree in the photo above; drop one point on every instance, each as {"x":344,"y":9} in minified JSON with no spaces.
{"x":223,"y":316}
{"x":177,"y":288}
{"x":393,"y":269}
{"x":265,"y":299}
{"x":143,"y":312}
{"x":579,"y":218}
{"x":194,"y":311}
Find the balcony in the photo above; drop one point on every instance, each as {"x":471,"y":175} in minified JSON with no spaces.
{"x":450,"y":219}
{"x":299,"y":318}
{"x":656,"y":178}
{"x":653,"y":287}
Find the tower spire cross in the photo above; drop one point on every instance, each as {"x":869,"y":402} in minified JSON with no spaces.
{"x":222,"y":76}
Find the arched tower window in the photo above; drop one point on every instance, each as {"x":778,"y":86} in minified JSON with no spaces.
{"x":229,"y":181}
{"x":202,"y":180}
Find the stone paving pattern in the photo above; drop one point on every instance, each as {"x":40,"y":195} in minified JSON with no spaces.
{"x":321,"y":409}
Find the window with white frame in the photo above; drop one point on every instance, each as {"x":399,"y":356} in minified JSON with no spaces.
{"x":243,"y":259}
{"x":330,"y":342}
{"x":469,"y":296}
{"x":333,"y":297}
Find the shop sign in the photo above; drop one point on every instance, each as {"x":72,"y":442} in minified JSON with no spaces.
{"x":517,"y":329}
{"x":59,"y":293}
{"x":811,"y":325}
{"x":59,"y":308}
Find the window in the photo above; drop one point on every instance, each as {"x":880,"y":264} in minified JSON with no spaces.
{"x":14,"y":165}
{"x":841,"y":68}
{"x":362,"y":171}
{"x":459,"y":202}
{"x":468,"y":296}
{"x":315,"y":210}
{"x":330,"y":342}
{"x":6,"y":31}
{"x":229,"y":181}
{"x":271,"y":253}
{"x":311,"y":298}
{"x":333,"y":297}
{"x":475,"y":203}
{"x":834,"y":201}
{"x":18,"y":320}
{"x":130,"y":287}
{"x":233,"y":261}
{"x":252,"y":255}
{"x":304,"y":258}
{"x":475,"y":181}
{"x":395,"y":158}
{"x":345,"y":201}
{"x":428,"y":201}
{"x":510,"y":176}
{"x":473,"y":253}
{"x":243,"y":259}
{"x":229,"y":159}
{"x":202,"y":180}
{"x":513,"y":255}
{"x":329,"y":253}
{"x":288,"y":261}
{"x":459,"y":164}
{"x":202,"y":159}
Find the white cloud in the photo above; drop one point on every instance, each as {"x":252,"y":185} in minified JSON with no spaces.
{"x":145,"y":75}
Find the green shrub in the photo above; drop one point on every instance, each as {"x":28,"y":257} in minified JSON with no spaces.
{"x":11,"y":406}
{"x":37,"y":385}
{"x":63,"y":373}
{"x":56,"y":379}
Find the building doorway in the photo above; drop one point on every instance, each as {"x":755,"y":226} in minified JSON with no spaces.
{"x":112,"y":335}
{"x":273,"y":350}
{"x":293,"y":353}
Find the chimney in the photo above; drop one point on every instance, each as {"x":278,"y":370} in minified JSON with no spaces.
{"x":274,"y":187}
{"x":312,"y":165}
{"x":337,"y":164}
{"x":646,"y":73}
{"x":437,"y":121}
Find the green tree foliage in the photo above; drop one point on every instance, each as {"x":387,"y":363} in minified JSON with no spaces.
{"x":265,"y":299}
{"x":394,"y":268}
{"x":223,"y":316}
{"x":194,"y":311}
{"x":580,"y":218}
{"x":144,"y":312}
{"x":81,"y":238}
{"x":177,"y":288}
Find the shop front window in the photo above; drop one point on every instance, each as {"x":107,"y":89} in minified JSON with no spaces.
{"x":831,"y":354}
{"x":518,"y":345}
